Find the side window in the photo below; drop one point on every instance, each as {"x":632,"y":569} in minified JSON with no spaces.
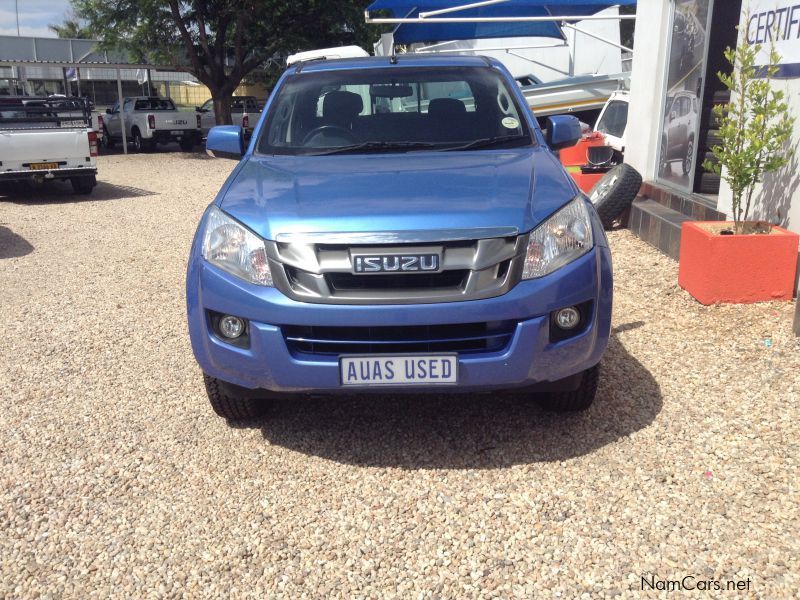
{"x":127,"y":106}
{"x":208,"y":105}
{"x":615,"y":118}
{"x":684,"y":106}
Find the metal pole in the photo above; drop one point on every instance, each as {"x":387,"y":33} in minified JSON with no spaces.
{"x":16,"y":10}
{"x":400,"y":21}
{"x":442,"y":11}
{"x":597,"y":37}
{"x":121,"y":114}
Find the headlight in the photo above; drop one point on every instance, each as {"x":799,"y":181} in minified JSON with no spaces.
{"x":565,"y":236}
{"x":232,"y":247}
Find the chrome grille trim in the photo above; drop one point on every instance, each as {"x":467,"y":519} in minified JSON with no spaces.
{"x":397,"y":237}
{"x":304,"y":271}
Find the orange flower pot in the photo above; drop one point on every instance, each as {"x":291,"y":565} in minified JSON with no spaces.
{"x":736,"y":268}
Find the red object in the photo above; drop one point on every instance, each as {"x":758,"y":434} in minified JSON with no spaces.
{"x":246,"y":121}
{"x":92,"y":143}
{"x":151,"y":121}
{"x":586,"y":181}
{"x":577,"y":156}
{"x":737,"y":268}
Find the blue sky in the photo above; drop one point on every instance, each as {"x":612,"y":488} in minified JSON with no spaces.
{"x":34,"y":16}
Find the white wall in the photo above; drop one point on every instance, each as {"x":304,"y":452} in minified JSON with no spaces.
{"x":647,"y":85}
{"x":777,"y":199}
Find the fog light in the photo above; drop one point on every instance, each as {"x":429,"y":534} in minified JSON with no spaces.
{"x":231,"y":327}
{"x":568,"y":318}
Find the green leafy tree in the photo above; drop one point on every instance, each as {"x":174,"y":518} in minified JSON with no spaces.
{"x":754,"y":127}
{"x":71,"y":28}
{"x":221,"y":42}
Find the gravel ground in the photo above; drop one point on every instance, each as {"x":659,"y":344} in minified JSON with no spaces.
{"x":118,"y":480}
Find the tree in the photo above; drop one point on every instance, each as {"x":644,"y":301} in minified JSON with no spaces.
{"x":221,"y":41}
{"x":754,"y":127}
{"x":71,"y":28}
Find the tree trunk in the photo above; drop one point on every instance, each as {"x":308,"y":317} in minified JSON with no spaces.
{"x":222,"y":108}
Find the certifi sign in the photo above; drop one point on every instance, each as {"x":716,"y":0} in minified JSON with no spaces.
{"x":776,"y":22}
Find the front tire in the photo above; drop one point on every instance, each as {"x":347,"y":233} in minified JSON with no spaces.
{"x":231,"y":407}
{"x":576,"y":400}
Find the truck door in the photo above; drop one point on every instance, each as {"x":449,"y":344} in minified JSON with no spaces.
{"x":112,"y":121}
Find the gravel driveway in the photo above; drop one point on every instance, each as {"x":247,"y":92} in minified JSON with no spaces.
{"x":118,"y":480}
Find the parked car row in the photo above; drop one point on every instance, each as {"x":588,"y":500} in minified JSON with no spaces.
{"x":149,"y":121}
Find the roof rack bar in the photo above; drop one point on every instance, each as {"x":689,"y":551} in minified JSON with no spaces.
{"x":401,"y":21}
{"x":442,"y":11}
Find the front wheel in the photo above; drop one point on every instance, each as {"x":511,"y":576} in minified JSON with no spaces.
{"x":575,"y":400}
{"x":229,"y":406}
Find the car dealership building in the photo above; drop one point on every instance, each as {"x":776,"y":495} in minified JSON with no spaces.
{"x":678,"y":52}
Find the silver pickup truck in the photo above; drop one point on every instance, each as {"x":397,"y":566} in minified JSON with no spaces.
{"x":150,"y":120}
{"x":245,"y":111}
{"x":42,"y":139}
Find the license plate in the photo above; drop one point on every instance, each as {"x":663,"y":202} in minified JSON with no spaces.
{"x":178,"y":132}
{"x":410,"y":369}
{"x":43,"y":166}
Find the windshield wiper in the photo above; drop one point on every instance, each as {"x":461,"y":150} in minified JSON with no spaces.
{"x":376,"y":146}
{"x":487,"y":142}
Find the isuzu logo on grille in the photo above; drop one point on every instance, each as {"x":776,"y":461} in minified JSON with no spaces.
{"x":396,"y":263}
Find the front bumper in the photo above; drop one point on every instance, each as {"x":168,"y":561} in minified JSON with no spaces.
{"x":529,"y":358}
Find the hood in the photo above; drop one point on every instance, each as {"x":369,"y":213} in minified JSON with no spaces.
{"x":396,"y":192}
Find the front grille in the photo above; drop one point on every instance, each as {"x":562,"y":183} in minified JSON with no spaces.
{"x":470,"y":270}
{"x":445,"y":279}
{"x":463,"y":338}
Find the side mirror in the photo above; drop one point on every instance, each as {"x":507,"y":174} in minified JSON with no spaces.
{"x":108,"y":111}
{"x":198,"y":109}
{"x":225,"y":141}
{"x":563,"y":131}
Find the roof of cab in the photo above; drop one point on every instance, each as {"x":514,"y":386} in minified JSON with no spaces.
{"x":402,"y":60}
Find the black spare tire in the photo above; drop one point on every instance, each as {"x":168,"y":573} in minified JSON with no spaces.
{"x":615,"y":192}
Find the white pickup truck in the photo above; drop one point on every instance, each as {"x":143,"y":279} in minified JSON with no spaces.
{"x":43,"y":139}
{"x":245,"y":111}
{"x":150,"y":120}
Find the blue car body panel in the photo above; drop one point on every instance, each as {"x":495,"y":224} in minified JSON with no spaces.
{"x":356,"y":193}
{"x":519,"y":188}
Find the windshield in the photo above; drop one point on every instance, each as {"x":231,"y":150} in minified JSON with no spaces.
{"x":154,"y":104}
{"x":614,"y":119}
{"x":393,"y":109}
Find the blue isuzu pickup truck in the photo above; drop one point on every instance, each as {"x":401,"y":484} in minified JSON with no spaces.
{"x":398,"y":224}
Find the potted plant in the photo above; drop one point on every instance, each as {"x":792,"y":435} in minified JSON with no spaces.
{"x":743,"y":260}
